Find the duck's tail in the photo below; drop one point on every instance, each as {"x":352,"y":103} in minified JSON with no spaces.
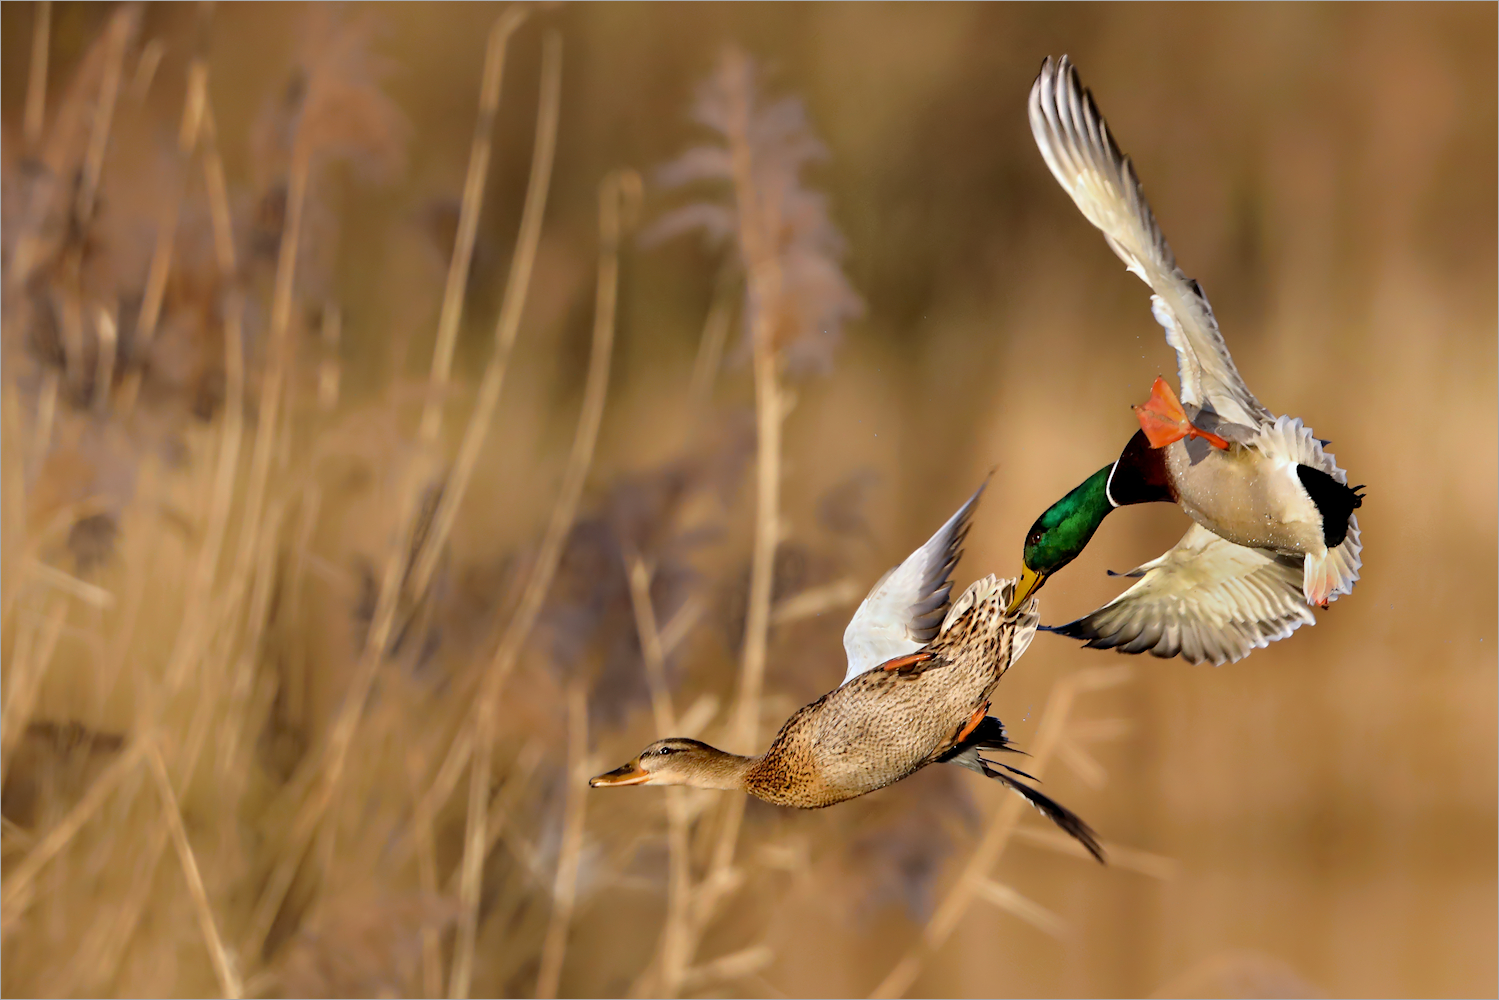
{"x":990,"y":735}
{"x":1326,"y":577}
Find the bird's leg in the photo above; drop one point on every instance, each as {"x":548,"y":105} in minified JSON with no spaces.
{"x":906,"y":662}
{"x":972,"y":723}
{"x":1165,"y":422}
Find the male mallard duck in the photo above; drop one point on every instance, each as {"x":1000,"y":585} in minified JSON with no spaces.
{"x":1273,"y":512}
{"x":920,"y":676}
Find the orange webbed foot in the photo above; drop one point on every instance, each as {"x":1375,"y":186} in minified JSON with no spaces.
{"x":1165,"y":422}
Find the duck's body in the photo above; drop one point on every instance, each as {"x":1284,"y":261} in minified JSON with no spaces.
{"x":890,"y":722}
{"x":1260,"y":494}
{"x":1250,"y":480}
{"x":920,"y":678}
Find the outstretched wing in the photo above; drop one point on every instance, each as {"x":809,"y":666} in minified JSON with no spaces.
{"x":905,"y":609}
{"x":1075,"y":141}
{"x":1205,"y":599}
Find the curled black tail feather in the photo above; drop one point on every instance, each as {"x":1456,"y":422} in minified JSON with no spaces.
{"x":990,"y":735}
{"x":1335,"y":501}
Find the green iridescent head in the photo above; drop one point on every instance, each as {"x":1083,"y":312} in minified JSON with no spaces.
{"x":1063,"y":531}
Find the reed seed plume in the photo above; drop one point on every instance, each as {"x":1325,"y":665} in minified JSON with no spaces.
{"x":381,"y":456}
{"x":180,"y":458}
{"x":761,"y":148}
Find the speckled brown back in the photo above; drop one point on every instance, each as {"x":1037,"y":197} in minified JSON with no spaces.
{"x":886,"y":724}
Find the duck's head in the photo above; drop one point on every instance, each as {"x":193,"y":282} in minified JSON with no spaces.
{"x":1063,"y":531}
{"x":678,"y":761}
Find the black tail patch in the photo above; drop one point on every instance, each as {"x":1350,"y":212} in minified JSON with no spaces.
{"x":990,"y":735}
{"x":1335,"y":501}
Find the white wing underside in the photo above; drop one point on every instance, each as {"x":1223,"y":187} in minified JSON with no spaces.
{"x":907,"y":606}
{"x":1075,"y":142}
{"x":1205,"y":599}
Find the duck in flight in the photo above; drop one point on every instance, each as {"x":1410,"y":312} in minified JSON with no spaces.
{"x":921,"y":673}
{"x":1274,"y":531}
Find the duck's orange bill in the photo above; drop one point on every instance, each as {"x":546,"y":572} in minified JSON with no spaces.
{"x":629,"y":774}
{"x":1165,"y":422}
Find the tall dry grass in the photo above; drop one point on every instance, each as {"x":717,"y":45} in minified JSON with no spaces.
{"x":325,"y":586}
{"x":169,"y":529}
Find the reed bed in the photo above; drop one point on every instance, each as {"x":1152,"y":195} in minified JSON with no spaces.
{"x":304,"y":673}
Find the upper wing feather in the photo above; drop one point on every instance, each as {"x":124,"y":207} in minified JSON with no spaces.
{"x":905,"y":609}
{"x":1205,"y":599}
{"x":1075,"y":141}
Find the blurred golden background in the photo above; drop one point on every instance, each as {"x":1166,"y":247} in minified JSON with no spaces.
{"x":308,"y":647}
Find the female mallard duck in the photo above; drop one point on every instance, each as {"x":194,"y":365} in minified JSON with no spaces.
{"x":920,"y":677}
{"x":1274,"y":531}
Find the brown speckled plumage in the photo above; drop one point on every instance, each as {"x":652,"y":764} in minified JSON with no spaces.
{"x":916,"y":693}
{"x":885,"y":725}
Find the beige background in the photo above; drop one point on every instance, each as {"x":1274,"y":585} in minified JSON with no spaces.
{"x":1326,"y":172}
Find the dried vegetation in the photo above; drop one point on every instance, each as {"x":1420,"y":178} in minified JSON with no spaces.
{"x":212,"y":783}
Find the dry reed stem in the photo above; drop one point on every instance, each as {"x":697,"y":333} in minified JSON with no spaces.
{"x":516,"y":781}
{"x":682,"y":623}
{"x":107,"y":334}
{"x":651,"y":648}
{"x":507,"y":325}
{"x":676,"y":933}
{"x":13,"y":496}
{"x":121,"y":28}
{"x":1001,"y":826}
{"x":323,"y":773}
{"x":166,"y":230}
{"x":468,"y":218}
{"x":232,"y":434}
{"x":36,"y":80}
{"x":138,"y":570}
{"x":565,"y":891}
{"x":1011,"y":901}
{"x":107,"y":946}
{"x":426,"y":871}
{"x":715,"y":334}
{"x":16,"y":680}
{"x":27,"y":668}
{"x":815,"y":600}
{"x":90,"y":594}
{"x":736,"y":965}
{"x":614,"y":192}
{"x":46,"y":416}
{"x":328,"y":374}
{"x":146,"y":65}
{"x":445,"y":781}
{"x":279,"y":352}
{"x":325,"y":781}
{"x":25,"y":556}
{"x":16,"y":893}
{"x":758,"y":224}
{"x":764,"y":285}
{"x":210,"y":682}
{"x":1129,"y":858}
{"x":223,"y":967}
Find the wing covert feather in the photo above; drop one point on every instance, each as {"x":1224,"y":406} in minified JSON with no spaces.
{"x":1205,"y":599}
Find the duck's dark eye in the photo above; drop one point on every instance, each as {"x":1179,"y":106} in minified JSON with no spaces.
{"x":1035,"y":538}
{"x":665,"y":750}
